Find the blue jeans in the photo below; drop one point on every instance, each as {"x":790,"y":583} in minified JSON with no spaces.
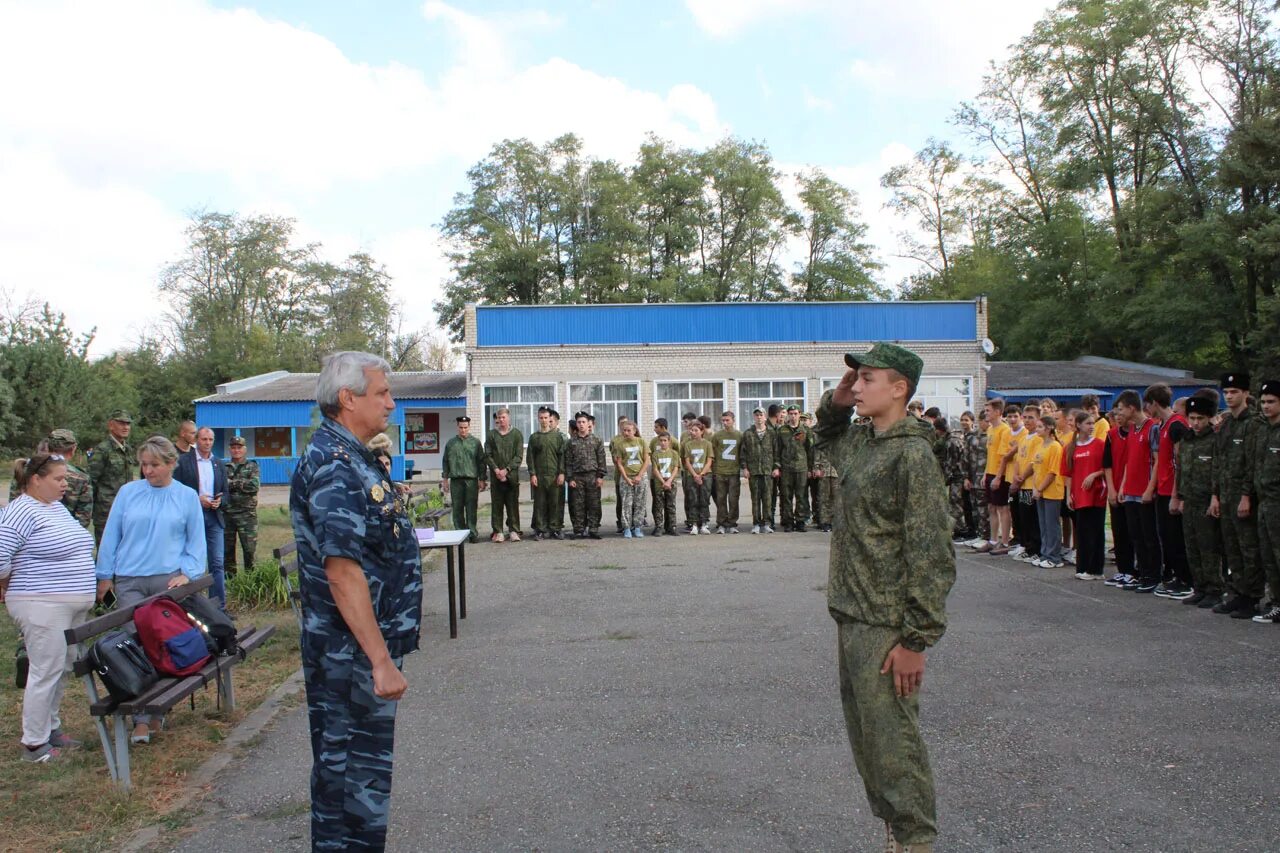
{"x":214,"y":542}
{"x":1050,"y":514}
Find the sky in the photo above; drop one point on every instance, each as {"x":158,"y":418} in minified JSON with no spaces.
{"x":118,"y":120}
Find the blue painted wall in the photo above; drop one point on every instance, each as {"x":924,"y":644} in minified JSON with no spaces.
{"x":748,"y":322}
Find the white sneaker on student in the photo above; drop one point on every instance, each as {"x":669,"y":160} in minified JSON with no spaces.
{"x":706,"y":530}
{"x":755,"y":528}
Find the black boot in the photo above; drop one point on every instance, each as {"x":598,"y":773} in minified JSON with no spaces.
{"x":1232,"y":604}
{"x":1194,"y":599}
{"x":1247,"y":609}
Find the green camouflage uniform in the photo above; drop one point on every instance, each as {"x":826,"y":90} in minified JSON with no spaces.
{"x":1196,"y":474}
{"x":1266,"y":457}
{"x":546,"y":461}
{"x":614,"y":450}
{"x":504,"y":451}
{"x":1235,"y":478}
{"x":955,"y":469}
{"x":584,"y":464}
{"x":976,"y":441}
{"x":111,"y":465}
{"x":892,"y":566}
{"x":826,"y":507}
{"x":726,"y":468}
{"x":241,"y":505}
{"x":759,"y":458}
{"x":796,"y":461}
{"x":464,"y":468}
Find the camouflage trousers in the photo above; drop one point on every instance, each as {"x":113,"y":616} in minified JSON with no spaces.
{"x":632,"y":504}
{"x":761,"y":486}
{"x":794,"y":486}
{"x":464,"y":493}
{"x":978,"y":500}
{"x":956,"y":496}
{"x":728,"y":496}
{"x":1203,"y":540}
{"x":1240,"y":544}
{"x":505,"y":501}
{"x":1269,"y":542}
{"x":664,"y":507}
{"x":548,"y":504}
{"x":352,"y":745}
{"x":686,"y":480}
{"x":245,"y":527}
{"x":824,"y":508}
{"x":884,"y":732}
{"x":699,"y":497}
{"x":775,"y":492}
{"x":584,"y":503}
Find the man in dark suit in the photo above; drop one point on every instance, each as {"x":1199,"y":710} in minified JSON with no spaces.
{"x":204,"y":472}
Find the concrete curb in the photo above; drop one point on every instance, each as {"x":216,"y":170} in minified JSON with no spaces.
{"x":199,"y":781}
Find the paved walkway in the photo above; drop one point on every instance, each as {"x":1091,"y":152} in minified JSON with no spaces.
{"x":681,"y":694}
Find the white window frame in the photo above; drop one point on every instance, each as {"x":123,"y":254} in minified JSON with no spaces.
{"x":612,"y":420}
{"x":674,"y":426}
{"x":933,"y":400}
{"x":744,"y":417}
{"x":485,"y":406}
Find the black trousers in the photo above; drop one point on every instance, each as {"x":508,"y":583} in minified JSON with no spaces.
{"x":1173,"y":547}
{"x":1141,"y":519}
{"x":1091,"y":542}
{"x":1120,"y":538}
{"x":1028,"y":524}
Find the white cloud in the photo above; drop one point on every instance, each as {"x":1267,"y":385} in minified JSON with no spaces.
{"x":870,"y":73}
{"x":727,"y":18}
{"x":814,"y":103}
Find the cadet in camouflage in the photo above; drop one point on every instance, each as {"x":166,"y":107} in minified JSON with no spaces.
{"x":463,"y":476}
{"x":760,"y":463}
{"x":546,"y":476}
{"x":955,"y":470}
{"x":1194,"y":488}
{"x":795,"y":442}
{"x":585,"y":467}
{"x":892,"y":566}
{"x":1235,"y":494}
{"x":111,"y":464}
{"x":504,"y":451}
{"x":1267,"y":487}
{"x":78,"y":498}
{"x":976,"y":441}
{"x":359,"y":574}
{"x":240,"y":509}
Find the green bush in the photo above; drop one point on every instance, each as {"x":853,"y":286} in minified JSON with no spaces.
{"x":259,"y":588}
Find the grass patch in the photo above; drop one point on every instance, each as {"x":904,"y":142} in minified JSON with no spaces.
{"x":73,"y":805}
{"x":608,"y":567}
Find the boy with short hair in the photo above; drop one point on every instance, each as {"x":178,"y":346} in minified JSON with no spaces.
{"x":665,"y":463}
{"x":760,"y":465}
{"x":1176,"y":576}
{"x":998,"y":441}
{"x":1266,"y":457}
{"x":697,"y":453}
{"x":1192,"y":493}
{"x":1008,"y":464}
{"x":1026,"y":515}
{"x":1137,"y":491}
{"x":1233,"y":500}
{"x":686,"y":421}
{"x":892,"y":567}
{"x":726,"y":446}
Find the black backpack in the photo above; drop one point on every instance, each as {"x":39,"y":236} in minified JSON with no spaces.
{"x":219,"y":628}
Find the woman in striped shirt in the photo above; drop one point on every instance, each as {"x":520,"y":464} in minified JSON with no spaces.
{"x":47,"y":583}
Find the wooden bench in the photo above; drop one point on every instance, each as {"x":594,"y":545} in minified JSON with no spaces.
{"x":164,"y":694}
{"x":431,"y":517}
{"x":287,"y":556}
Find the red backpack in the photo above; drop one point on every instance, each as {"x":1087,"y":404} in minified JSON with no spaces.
{"x":170,"y":638}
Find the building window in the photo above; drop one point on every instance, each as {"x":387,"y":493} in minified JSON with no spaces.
{"x":766,"y":392}
{"x":952,"y":394}
{"x":522,"y":401}
{"x":607,"y":402}
{"x":271,"y":441}
{"x":701,"y":398}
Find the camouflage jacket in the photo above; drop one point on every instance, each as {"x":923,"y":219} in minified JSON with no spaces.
{"x":584,"y":456}
{"x":504,"y":451}
{"x":1235,"y":474}
{"x":341,"y":505}
{"x":956,"y":462}
{"x":1196,"y":470}
{"x":79,"y":496}
{"x":546,"y":453}
{"x":243,"y":482}
{"x":111,"y":465}
{"x":795,"y":448}
{"x":892,"y":563}
{"x":1266,"y":457}
{"x":760,"y":451}
{"x":464,"y":459}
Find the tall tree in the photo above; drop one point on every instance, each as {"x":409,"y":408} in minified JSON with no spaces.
{"x":838,"y":262}
{"x":926,"y":192}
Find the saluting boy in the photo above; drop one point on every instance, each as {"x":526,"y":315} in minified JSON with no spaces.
{"x":892,"y":566}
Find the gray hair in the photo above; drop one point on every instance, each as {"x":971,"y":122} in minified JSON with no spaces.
{"x":345,"y":370}
{"x":159,"y":447}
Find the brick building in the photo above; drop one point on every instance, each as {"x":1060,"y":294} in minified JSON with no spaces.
{"x":648,"y":361}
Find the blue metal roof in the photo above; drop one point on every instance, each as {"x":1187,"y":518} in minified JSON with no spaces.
{"x":734,"y":322}
{"x":242,"y":414}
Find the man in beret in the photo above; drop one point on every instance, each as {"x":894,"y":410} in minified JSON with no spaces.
{"x":111,"y":464}
{"x":463,"y":476}
{"x":244,"y":481}
{"x":1192,"y":493}
{"x":892,"y":566}
{"x":1267,"y":482}
{"x":1233,"y":500}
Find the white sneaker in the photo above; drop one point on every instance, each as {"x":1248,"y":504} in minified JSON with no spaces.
{"x":1083,"y":576}
{"x":706,"y":530}
{"x":720,"y":530}
{"x":693,"y":531}
{"x":768,"y":528}
{"x":1017,"y":551}
{"x":733,"y":530}
{"x":1069,"y":556}
{"x":974,"y":543}
{"x":755,"y":528}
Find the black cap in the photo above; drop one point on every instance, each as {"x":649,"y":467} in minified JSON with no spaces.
{"x":462,"y":419}
{"x":1270,"y":386}
{"x":542,"y":409}
{"x":1239,"y":379}
{"x":553,"y":413}
{"x":1201,"y":406}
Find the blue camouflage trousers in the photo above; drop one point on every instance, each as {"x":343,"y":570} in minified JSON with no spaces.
{"x":352,"y":744}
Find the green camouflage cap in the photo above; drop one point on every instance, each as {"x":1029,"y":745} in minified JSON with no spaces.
{"x":889,"y":357}
{"x":237,"y":441}
{"x":61,"y":438}
{"x":120,"y":415}
{"x":793,"y":408}
{"x":808,"y":416}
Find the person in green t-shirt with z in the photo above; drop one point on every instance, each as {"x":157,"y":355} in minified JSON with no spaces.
{"x":697,"y":453}
{"x":727,"y":469}
{"x":665,"y":462}
{"x":631,"y":461}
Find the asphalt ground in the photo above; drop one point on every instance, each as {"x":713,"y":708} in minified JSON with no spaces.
{"x":681,"y":694}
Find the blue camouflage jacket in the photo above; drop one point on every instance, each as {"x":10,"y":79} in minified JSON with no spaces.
{"x":341,"y":505}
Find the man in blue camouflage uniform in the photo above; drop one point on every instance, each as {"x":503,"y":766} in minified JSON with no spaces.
{"x":361,"y":586}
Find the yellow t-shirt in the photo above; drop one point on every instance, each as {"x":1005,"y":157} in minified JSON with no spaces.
{"x":1026,"y":457}
{"x":1101,"y":427}
{"x":1064,"y":436}
{"x":1048,"y":460}
{"x":1016,"y":440}
{"x":997,"y":446}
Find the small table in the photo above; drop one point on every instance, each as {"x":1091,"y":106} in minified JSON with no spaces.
{"x":450,"y":540}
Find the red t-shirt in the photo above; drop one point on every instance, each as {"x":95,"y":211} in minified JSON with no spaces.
{"x":1137,"y":459}
{"x":1171,"y":432}
{"x":1084,"y":460}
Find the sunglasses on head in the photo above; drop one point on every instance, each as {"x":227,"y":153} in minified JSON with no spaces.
{"x":36,"y":464}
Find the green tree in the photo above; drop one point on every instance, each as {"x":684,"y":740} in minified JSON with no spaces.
{"x":838,"y":263}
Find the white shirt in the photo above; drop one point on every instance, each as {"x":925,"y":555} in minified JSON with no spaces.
{"x":204,"y":467}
